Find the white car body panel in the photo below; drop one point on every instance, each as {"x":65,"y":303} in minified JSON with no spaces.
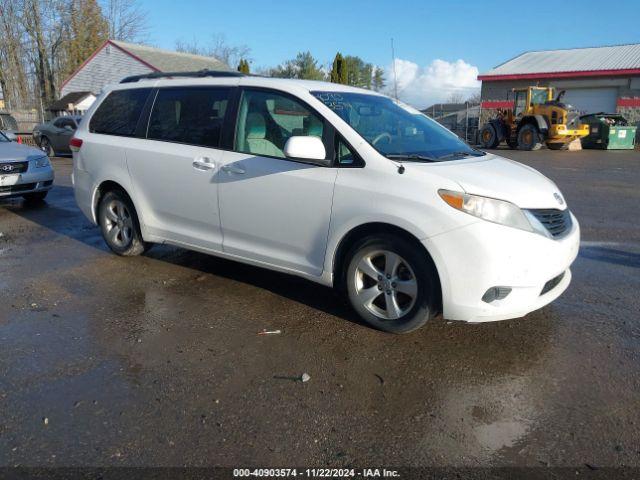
{"x":291,"y":216}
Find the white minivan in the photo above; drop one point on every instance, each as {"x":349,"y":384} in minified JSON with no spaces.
{"x":343,"y":186}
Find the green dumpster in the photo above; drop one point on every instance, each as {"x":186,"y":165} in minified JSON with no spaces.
{"x":608,"y":131}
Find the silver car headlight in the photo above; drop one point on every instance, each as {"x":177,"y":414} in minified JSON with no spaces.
{"x":490,"y":209}
{"x":42,"y":162}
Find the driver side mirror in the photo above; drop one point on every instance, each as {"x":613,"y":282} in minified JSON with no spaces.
{"x":308,"y":148}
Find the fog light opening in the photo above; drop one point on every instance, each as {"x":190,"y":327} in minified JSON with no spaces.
{"x":496,"y":293}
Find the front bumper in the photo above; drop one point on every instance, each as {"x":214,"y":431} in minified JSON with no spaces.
{"x":475,"y":258}
{"x":32,"y":181}
{"x":560,"y":133}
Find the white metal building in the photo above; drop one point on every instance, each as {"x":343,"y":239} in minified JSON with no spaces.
{"x":597,"y":79}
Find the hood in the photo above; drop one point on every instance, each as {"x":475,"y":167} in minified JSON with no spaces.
{"x":497,"y":177}
{"x":15,"y":152}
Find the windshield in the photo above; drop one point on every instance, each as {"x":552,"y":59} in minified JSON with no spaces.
{"x":538,"y":96}
{"x":3,"y":138}
{"x":394,"y":129}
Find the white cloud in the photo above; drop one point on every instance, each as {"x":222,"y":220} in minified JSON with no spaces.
{"x":424,"y":86}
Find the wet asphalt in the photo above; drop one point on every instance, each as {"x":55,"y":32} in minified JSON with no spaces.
{"x":155,"y":360}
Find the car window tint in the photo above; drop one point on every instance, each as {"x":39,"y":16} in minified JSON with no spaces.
{"x":189,"y":115}
{"x":119,"y":113}
{"x":266,"y":120}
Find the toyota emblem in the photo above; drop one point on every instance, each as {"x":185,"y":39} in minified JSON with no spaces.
{"x":7,"y":168}
{"x":558,"y":197}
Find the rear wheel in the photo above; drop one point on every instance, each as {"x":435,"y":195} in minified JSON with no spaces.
{"x":488,"y":136}
{"x":529,"y":138}
{"x":391,"y":284}
{"x":119,"y":224}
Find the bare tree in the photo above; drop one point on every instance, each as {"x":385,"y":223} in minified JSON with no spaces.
{"x":474,"y":98}
{"x":127,"y":20}
{"x":218,"y":48}
{"x":13,"y":70}
{"x":455,"y":97}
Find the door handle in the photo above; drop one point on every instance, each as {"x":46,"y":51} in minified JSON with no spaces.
{"x":231,"y":168}
{"x":203,"y":164}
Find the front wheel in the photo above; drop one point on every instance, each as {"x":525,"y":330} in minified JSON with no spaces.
{"x":529,"y":138}
{"x":391,"y":284}
{"x":119,"y":224}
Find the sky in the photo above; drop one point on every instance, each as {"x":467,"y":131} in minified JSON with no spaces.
{"x":440,"y":46}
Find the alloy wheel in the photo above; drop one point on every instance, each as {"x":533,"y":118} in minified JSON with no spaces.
{"x":384,"y":284}
{"x":118,"y":224}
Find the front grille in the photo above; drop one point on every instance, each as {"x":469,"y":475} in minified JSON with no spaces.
{"x":557,"y":222}
{"x":18,"y":188}
{"x":13,"y":167}
{"x":551,"y":284}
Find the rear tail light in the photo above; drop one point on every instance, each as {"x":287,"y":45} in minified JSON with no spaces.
{"x":75,"y":144}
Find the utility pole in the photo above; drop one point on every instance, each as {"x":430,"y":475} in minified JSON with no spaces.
{"x":395,"y":75}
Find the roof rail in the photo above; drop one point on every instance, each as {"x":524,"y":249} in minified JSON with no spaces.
{"x":197,"y":74}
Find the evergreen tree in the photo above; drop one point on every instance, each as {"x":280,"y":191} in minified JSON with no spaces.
{"x":243,"y":66}
{"x":358,"y":73}
{"x":378,"y":82}
{"x":338,"y":70}
{"x":303,"y":67}
{"x":88,"y":29}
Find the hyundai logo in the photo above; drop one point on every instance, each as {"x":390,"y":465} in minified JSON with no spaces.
{"x":7,"y":168}
{"x":558,"y":197}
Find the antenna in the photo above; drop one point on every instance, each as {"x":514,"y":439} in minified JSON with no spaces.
{"x":395,"y":75}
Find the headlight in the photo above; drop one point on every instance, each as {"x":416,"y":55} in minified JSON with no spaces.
{"x":490,"y":209}
{"x":42,"y":162}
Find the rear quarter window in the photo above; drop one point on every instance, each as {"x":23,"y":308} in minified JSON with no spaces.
{"x":119,"y":113}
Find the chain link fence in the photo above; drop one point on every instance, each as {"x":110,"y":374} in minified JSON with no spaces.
{"x":462,"y":119}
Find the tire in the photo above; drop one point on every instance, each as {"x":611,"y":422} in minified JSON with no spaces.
{"x":377,"y":266}
{"x":529,"y":138}
{"x":45,"y":146}
{"x":489,"y":136}
{"x":119,"y":224}
{"x":33,"y":198}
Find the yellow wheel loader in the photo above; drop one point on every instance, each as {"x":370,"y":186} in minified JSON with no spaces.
{"x":536,"y":118}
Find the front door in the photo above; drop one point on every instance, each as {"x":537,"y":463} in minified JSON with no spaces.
{"x":174,"y":169}
{"x":272,"y":209}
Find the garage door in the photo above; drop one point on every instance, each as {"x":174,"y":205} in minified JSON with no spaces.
{"x":592,"y":100}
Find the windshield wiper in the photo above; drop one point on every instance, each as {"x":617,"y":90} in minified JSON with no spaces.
{"x":411,"y":157}
{"x":475,"y":153}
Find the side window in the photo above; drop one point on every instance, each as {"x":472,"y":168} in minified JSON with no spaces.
{"x":189,"y":115}
{"x":68,"y":122}
{"x":344,"y":155}
{"x":520,"y":103}
{"x":119,"y":113}
{"x":266,"y":120}
{"x":59,"y":122}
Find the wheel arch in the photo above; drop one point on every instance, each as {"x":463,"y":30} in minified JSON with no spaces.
{"x":539,"y":121}
{"x":108,"y":186}
{"x":359,"y":232}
